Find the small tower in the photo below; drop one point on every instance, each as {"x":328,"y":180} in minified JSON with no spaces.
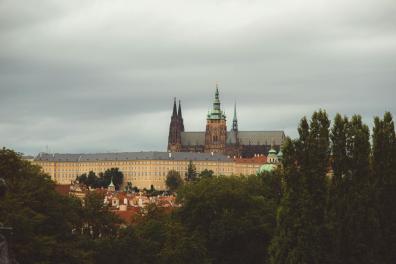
{"x":111,"y":187}
{"x":216,"y":127}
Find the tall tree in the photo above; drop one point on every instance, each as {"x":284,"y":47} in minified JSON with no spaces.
{"x":191,"y":174}
{"x":359,"y":241}
{"x":384,"y":176}
{"x":337,"y":202}
{"x":41,"y":218}
{"x":286,"y":236}
{"x":301,"y":229}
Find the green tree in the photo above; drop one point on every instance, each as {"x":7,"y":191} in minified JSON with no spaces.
{"x":98,"y":220}
{"x":206,"y":173}
{"x":173,"y":180}
{"x":232,"y":215}
{"x":111,"y":174}
{"x":337,"y":203}
{"x":82,"y":179}
{"x":42,"y":219}
{"x":384,"y":179}
{"x":360,"y":239}
{"x":191,"y":174}
{"x":93,"y":180}
{"x":301,"y":230}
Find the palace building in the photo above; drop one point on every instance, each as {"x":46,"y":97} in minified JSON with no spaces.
{"x":216,"y":138}
{"x":143,"y":169}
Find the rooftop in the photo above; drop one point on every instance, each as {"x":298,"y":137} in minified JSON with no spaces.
{"x":125,"y":156}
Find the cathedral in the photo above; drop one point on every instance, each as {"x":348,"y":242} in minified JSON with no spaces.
{"x":217,"y":139}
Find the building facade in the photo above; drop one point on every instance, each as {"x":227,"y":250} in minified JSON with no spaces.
{"x":142,"y":169}
{"x":216,"y":138}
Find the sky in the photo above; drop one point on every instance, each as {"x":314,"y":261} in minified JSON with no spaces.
{"x":100,"y":76}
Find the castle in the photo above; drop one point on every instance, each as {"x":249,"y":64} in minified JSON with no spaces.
{"x":216,"y":138}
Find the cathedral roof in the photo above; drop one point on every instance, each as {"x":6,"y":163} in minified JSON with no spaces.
{"x":245,"y":138}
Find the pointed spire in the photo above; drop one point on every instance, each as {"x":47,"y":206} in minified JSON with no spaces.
{"x":235,"y":120}
{"x":174,"y":107}
{"x":179,"y":112}
{"x":217,"y":91}
{"x":235,"y":114}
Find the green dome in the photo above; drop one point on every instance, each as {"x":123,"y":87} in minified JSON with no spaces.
{"x":267,"y":168}
{"x":272,"y":151}
{"x":280,"y":154}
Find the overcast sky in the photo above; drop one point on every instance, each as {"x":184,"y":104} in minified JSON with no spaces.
{"x":98,"y":76}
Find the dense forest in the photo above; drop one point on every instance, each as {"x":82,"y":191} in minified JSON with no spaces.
{"x":332,"y":200}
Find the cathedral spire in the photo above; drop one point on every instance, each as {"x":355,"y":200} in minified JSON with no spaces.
{"x":179,"y":112}
{"x":180,"y":117}
{"x":235,"y":120}
{"x":174,"y":107}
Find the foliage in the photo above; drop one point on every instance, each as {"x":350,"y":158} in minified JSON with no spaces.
{"x":41,"y":218}
{"x":234,"y":216}
{"x":384,"y":180}
{"x":206,"y":173}
{"x":301,"y":234}
{"x":191,"y":174}
{"x":103,"y":180}
{"x":173,"y":180}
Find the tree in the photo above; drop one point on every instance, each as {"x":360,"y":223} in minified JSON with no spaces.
{"x":301,"y":230}
{"x":111,"y":174}
{"x":42,"y":219}
{"x":82,"y":179}
{"x":384,"y":180}
{"x":173,"y":180}
{"x":191,"y":174}
{"x":233,"y":215}
{"x":206,"y":173}
{"x":93,"y":180}
{"x":337,"y":203}
{"x":98,"y":220}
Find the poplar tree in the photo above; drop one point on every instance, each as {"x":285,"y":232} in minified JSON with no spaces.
{"x":281,"y":249}
{"x":337,"y":190}
{"x":384,"y":176}
{"x":359,"y":240}
{"x":300,"y":233}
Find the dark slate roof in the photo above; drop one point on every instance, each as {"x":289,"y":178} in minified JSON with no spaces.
{"x":124,"y":156}
{"x":192,"y":138}
{"x":261,"y":137}
{"x":245,"y":138}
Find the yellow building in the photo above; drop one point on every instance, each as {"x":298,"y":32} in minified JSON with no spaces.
{"x":142,"y":169}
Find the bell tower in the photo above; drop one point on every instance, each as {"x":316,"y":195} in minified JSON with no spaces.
{"x":175,"y":128}
{"x":216,"y":127}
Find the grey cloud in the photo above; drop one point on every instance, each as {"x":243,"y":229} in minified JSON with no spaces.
{"x":100,"y":76}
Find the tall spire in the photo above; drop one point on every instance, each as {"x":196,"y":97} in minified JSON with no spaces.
{"x":235,"y":120}
{"x":217,"y":91}
{"x":216,"y":112}
{"x":216,"y":102}
{"x":180,"y":117}
{"x":179,"y":112}
{"x":174,"y":107}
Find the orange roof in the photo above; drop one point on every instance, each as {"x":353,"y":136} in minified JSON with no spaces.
{"x":256,"y":160}
{"x":127,"y":216}
{"x":62,"y":189}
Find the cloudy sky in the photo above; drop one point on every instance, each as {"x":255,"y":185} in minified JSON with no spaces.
{"x":98,"y":76}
